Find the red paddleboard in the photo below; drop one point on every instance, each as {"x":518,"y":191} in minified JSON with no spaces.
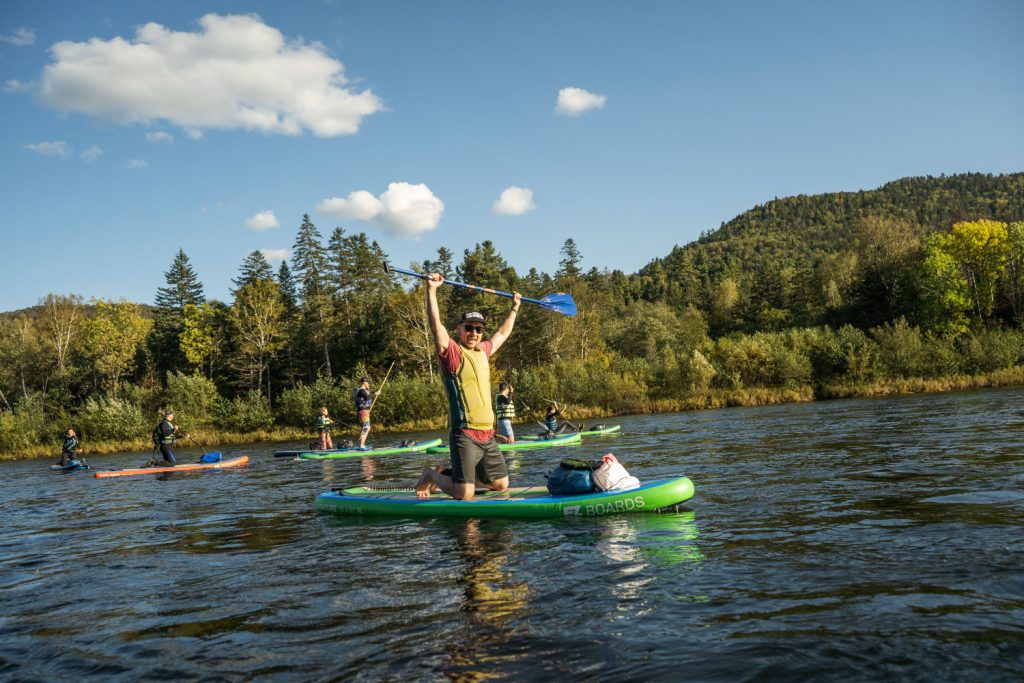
{"x":235,"y":462}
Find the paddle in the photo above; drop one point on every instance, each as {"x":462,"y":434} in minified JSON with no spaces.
{"x":559,"y":302}
{"x":381,"y":387}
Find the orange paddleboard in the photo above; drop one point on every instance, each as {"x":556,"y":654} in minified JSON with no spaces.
{"x":235,"y":462}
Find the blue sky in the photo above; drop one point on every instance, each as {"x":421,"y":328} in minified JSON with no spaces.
{"x":134,"y":128}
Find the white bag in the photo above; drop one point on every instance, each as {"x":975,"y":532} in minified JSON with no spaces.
{"x":611,"y":475}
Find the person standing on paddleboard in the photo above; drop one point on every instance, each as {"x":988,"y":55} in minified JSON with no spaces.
{"x":164,"y":436}
{"x":475,"y":457}
{"x":364,"y":402}
{"x":323,"y":428}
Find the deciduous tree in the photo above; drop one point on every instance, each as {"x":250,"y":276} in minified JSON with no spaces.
{"x":113,"y":335}
{"x":257,"y":316}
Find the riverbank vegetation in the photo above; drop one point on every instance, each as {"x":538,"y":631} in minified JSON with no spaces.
{"x":916,"y":286}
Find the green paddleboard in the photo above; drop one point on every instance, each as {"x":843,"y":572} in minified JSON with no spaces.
{"x":528,"y":501}
{"x":356,"y":453}
{"x":566,"y":440}
{"x":590,"y":432}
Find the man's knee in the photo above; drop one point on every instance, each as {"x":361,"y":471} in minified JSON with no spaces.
{"x":464,"y":491}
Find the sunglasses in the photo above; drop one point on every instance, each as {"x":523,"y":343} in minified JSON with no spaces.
{"x":473,"y":328}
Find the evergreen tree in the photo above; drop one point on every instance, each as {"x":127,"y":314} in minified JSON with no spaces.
{"x":569,"y":267}
{"x":442,"y":265}
{"x":484,"y":267}
{"x":183,"y":287}
{"x":309,"y":265}
{"x":255,"y":267}
{"x":289,"y":299}
{"x":286,"y":283}
{"x":362,"y":288}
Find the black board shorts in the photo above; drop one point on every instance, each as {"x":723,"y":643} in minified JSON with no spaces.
{"x":474,"y":461}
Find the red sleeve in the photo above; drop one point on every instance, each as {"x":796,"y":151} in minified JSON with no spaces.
{"x":450,"y":358}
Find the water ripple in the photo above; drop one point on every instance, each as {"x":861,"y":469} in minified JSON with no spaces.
{"x":848,"y":540}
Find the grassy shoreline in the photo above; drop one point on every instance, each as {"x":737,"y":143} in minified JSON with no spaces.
{"x":712,"y":399}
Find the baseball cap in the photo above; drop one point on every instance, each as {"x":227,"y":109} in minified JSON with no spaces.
{"x":473,"y":316}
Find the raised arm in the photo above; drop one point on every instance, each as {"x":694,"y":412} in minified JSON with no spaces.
{"x":441,"y":338}
{"x":502,"y":333}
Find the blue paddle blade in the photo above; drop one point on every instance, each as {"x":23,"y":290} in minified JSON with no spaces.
{"x":560,"y":302}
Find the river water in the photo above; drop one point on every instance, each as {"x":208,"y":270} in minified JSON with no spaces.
{"x":866,"y":540}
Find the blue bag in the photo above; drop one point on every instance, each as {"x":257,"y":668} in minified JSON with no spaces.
{"x":209,"y":458}
{"x":564,"y":481}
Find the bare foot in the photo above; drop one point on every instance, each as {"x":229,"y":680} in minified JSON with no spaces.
{"x":424,"y":485}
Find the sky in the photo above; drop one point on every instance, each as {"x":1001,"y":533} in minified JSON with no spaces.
{"x":134,"y":129}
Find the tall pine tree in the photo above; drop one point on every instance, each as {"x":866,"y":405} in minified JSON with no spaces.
{"x":289,"y":297}
{"x":361,"y":288}
{"x":569,"y":267}
{"x":254,"y":268}
{"x":309,"y":265}
{"x":183,"y":287}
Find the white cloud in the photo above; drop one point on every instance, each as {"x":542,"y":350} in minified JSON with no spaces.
{"x":159,"y":136}
{"x":92,"y":154}
{"x":21,"y":36}
{"x":264,"y":220}
{"x":136,"y":164}
{"x":14,"y":85}
{"x":57,"y":148}
{"x":276,"y":254}
{"x":404,"y":209}
{"x":514,"y":201}
{"x":233,"y":72}
{"x":576,"y":101}
{"x":360,"y":205}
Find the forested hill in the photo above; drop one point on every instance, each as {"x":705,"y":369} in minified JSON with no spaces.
{"x":799,"y":231}
{"x":836,"y":258}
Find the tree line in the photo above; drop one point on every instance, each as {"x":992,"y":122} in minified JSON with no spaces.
{"x":808,"y":296}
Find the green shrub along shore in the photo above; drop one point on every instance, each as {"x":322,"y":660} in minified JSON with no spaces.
{"x":916,"y":286}
{"x":417,"y":404}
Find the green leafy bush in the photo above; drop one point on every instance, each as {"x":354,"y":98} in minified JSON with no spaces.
{"x":26,"y":426}
{"x":844,"y":354}
{"x":247,"y":413}
{"x":298,"y":407}
{"x":759,"y":360}
{"x":901,"y":349}
{"x":111,"y":418}
{"x":992,"y":350}
{"x":407,"y":399}
{"x":192,"y":397}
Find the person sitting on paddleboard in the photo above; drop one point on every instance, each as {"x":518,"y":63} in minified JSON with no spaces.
{"x":69,"y":451}
{"x":475,"y":457}
{"x":323,"y":427}
{"x":164,"y":436}
{"x":364,"y":401}
{"x":506,"y":410}
{"x":551,"y":421}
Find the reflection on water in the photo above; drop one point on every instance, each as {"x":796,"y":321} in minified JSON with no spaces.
{"x":851,"y":540}
{"x":492,"y":599}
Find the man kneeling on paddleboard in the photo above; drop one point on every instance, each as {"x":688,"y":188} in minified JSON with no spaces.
{"x":475,"y":456}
